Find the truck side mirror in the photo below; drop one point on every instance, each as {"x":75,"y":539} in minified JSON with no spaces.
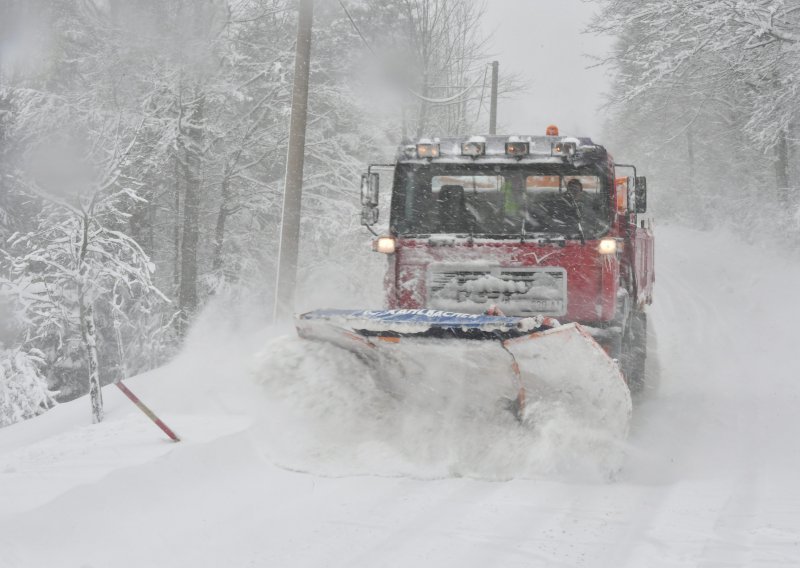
{"x":369,"y":189}
{"x":369,"y":198}
{"x":369,"y":216}
{"x":641,"y":194}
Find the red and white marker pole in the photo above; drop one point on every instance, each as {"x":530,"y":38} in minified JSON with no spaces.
{"x":150,"y":414}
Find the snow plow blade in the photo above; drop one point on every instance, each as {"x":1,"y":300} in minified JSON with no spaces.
{"x":530,"y":362}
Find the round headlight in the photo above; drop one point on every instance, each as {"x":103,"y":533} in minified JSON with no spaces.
{"x":607,"y":246}
{"x":385,"y":245}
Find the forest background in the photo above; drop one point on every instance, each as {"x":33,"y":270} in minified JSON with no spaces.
{"x":142,"y":152}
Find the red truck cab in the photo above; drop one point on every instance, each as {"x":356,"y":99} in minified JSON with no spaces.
{"x":527,"y":225}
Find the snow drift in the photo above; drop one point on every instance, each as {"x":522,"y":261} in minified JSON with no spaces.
{"x":709,"y":479}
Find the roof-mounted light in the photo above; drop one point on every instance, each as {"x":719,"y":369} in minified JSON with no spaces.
{"x":409,"y":151}
{"x":473,"y":148}
{"x":517,"y":148}
{"x":568,"y":149}
{"x":551,"y":130}
{"x":427,"y":150}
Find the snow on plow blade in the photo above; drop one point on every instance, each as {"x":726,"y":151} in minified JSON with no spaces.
{"x":530,"y":361}
{"x":566,"y":366}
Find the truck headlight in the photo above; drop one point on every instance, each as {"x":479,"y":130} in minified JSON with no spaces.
{"x":607,"y":246}
{"x":385,"y":245}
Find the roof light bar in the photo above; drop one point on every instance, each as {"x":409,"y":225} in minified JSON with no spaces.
{"x":565,"y":148}
{"x":473,"y":148}
{"x":518,"y":149}
{"x":427,"y":150}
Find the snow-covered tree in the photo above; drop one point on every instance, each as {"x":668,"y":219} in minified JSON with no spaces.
{"x":75,"y":262}
{"x":151,"y":135}
{"x":705,"y":94}
{"x":23,"y":389}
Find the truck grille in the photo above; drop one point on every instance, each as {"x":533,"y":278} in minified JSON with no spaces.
{"x":516,"y":291}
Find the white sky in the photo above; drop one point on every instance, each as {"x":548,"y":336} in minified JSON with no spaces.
{"x":542,"y":42}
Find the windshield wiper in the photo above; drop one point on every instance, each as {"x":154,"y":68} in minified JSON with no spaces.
{"x":573,"y":202}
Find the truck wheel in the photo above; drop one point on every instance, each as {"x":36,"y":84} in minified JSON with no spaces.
{"x":613,"y":343}
{"x":636,"y":351}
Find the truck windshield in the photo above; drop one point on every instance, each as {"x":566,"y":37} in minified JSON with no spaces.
{"x":500,"y":200}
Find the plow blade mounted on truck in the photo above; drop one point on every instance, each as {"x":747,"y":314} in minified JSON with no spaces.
{"x":531,"y":363}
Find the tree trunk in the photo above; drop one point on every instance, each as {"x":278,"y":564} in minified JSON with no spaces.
{"x":219,"y":231}
{"x":782,"y":170}
{"x":88,"y":330}
{"x":176,"y":236}
{"x":690,"y":150}
{"x":187,"y":291}
{"x":89,"y":333}
{"x":191,"y":164}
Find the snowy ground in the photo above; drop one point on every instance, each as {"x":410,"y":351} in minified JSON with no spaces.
{"x":284,"y":464}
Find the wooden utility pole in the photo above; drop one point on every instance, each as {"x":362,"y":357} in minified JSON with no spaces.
{"x":493,"y":106}
{"x":293,"y":187}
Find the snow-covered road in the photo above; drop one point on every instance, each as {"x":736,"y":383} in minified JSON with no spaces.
{"x":710,"y":479}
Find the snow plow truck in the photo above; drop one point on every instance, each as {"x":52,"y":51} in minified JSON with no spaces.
{"x":520,"y":264}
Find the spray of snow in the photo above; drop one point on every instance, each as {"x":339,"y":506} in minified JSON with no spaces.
{"x":314,"y":407}
{"x":331,"y":413}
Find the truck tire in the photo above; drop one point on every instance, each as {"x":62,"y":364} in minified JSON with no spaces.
{"x":635,"y":349}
